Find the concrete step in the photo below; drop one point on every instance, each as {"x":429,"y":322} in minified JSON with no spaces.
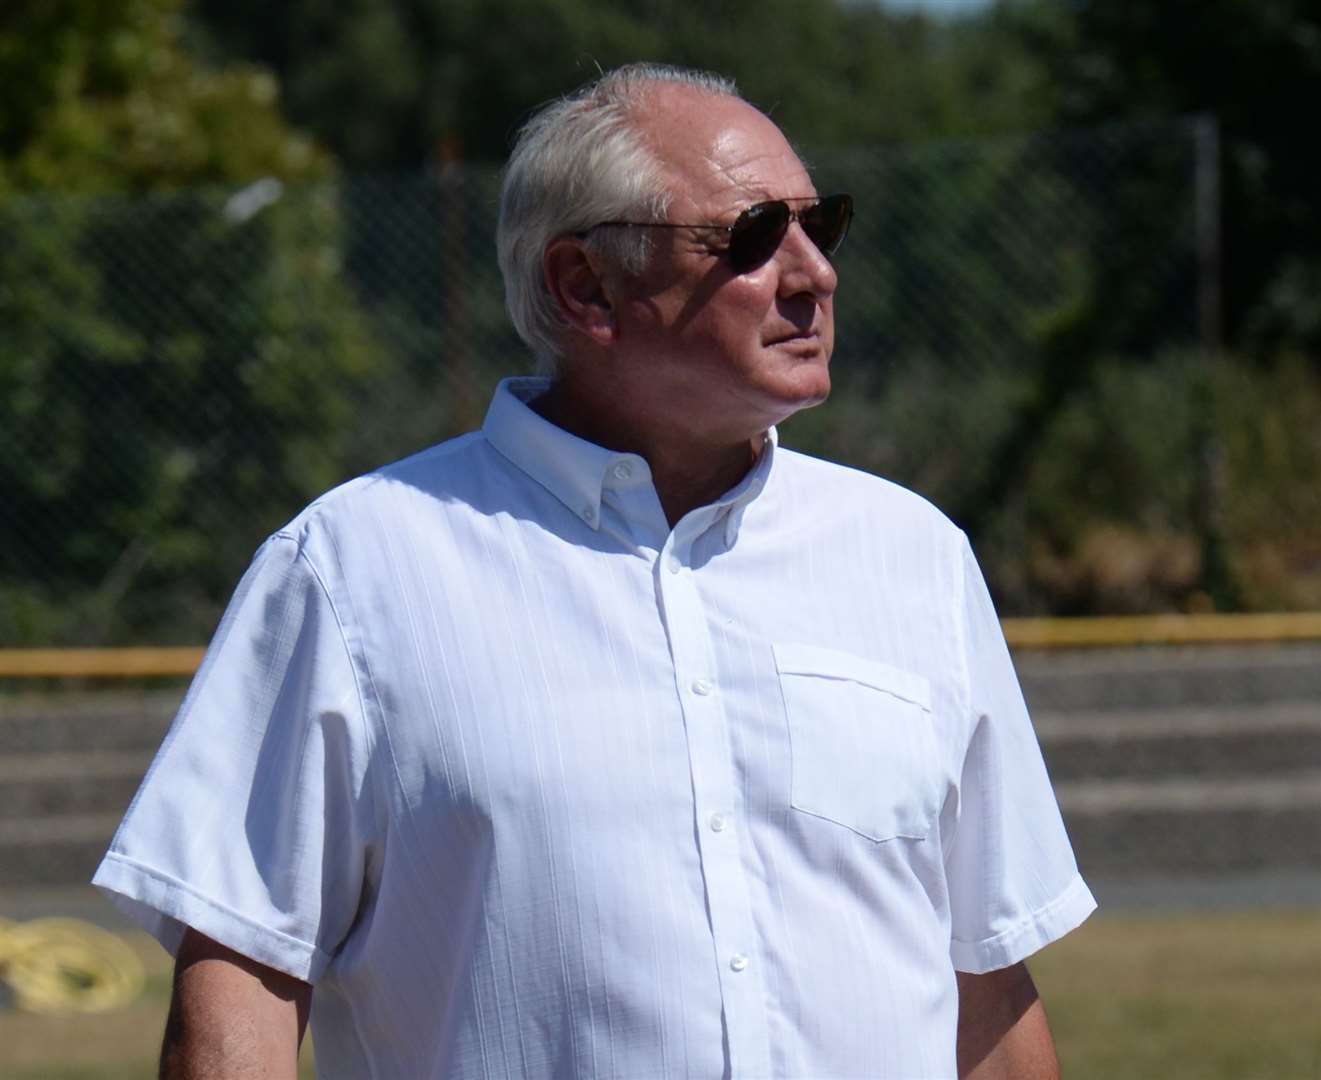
{"x":69,"y":782}
{"x":1104,"y":679}
{"x":1132,"y":828}
{"x":53,"y":850}
{"x":112,"y":721}
{"x":1200,"y":741}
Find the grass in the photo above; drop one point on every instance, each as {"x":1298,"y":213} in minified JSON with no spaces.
{"x":1130,"y":997}
{"x":1223,"y":997}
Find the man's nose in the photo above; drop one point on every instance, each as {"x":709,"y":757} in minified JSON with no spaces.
{"x":804,"y":268}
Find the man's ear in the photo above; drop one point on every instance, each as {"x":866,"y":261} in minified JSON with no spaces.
{"x":576,"y":284}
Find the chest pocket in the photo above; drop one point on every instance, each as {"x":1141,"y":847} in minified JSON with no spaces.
{"x":862,"y":747}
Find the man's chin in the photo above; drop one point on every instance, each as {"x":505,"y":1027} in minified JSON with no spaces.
{"x":814,"y":383}
{"x":813,"y":401}
{"x":805,"y":397}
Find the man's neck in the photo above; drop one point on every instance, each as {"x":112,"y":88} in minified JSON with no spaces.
{"x":687,"y":472}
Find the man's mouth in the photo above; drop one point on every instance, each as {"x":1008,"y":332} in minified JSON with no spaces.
{"x":805,"y":336}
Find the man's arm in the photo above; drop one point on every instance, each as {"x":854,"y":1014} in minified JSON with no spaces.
{"x":1003,"y":1033}
{"x":231,"y":1017}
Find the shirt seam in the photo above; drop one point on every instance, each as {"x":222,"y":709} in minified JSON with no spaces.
{"x":381,"y":812}
{"x":1029,"y":921}
{"x":960,"y":622}
{"x":966,"y":712}
{"x":314,"y":951}
{"x":365,"y":729}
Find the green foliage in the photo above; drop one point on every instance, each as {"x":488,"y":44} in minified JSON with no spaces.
{"x":102,"y":96}
{"x":1015,"y":314}
{"x":144,"y":399}
{"x":127,"y":384}
{"x":1272,"y":458}
{"x":1251,"y":63}
{"x":398,"y":83}
{"x":405,"y":82}
{"x":1110,"y":514}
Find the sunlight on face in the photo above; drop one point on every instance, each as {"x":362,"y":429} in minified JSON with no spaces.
{"x":726,"y":352}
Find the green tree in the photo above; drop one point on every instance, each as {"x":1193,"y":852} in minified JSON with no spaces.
{"x":103,"y":97}
{"x":178,"y":361}
{"x":1253,"y":64}
{"x":400,"y":83}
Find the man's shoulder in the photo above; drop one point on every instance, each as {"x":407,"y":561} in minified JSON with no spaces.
{"x":442,"y":472}
{"x":830,"y":484}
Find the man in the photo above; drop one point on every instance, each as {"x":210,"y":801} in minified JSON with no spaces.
{"x":613,"y":740}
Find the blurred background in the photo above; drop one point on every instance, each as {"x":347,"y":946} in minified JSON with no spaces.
{"x":246,"y":252}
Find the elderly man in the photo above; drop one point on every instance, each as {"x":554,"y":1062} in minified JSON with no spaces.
{"x":613,"y":740}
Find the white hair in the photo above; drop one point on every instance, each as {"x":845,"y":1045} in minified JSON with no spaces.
{"x":579,"y":161}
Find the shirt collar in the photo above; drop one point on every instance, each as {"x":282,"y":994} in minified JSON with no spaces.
{"x":742,"y":495}
{"x":574,"y":470}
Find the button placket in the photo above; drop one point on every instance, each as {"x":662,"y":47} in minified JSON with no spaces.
{"x":715,"y":791}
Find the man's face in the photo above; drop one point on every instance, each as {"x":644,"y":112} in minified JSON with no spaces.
{"x":719,"y":354}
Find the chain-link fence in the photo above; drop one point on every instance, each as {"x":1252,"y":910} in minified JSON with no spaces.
{"x":1017,"y":338}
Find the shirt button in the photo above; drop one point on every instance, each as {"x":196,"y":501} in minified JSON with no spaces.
{"x":738,"y":961}
{"x":701,"y":687}
{"x":673,"y":564}
{"x":589,"y":513}
{"x":623,"y":470}
{"x":717,"y":822}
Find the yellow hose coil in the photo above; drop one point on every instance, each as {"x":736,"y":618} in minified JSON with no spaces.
{"x":66,"y":965}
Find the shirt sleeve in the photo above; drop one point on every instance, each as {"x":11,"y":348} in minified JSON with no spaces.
{"x":254,"y":823}
{"x":1014,"y":885}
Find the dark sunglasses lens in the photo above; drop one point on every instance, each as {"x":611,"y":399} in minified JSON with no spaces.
{"x":827,"y":223}
{"x":756,"y":234}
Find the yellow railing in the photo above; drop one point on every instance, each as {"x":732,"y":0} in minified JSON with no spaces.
{"x":1128,"y":630}
{"x":139,"y":663}
{"x":1091,"y":632}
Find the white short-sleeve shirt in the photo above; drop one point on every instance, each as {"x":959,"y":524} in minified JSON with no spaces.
{"x":528,"y":783}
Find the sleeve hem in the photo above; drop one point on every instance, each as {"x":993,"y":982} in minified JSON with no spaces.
{"x":165,"y":907}
{"x":1048,"y":923}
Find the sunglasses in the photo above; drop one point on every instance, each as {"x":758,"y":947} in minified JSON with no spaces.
{"x":759,"y":230}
